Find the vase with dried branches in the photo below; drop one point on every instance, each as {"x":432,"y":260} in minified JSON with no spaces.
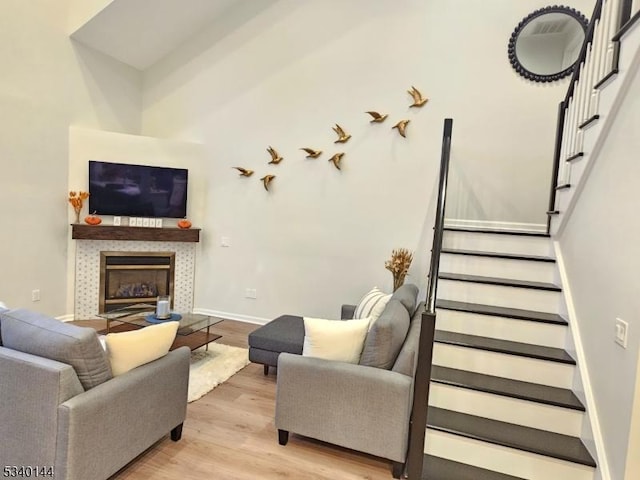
{"x":398,"y":265}
{"x":76,"y":199}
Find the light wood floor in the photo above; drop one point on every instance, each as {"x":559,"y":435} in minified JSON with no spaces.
{"x":230,"y":434}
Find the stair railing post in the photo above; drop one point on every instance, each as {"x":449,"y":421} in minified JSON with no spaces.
{"x":422,"y":373}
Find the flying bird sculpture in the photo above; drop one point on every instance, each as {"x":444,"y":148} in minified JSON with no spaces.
{"x":244,"y":172}
{"x":266,"y":181}
{"x":311,"y":153}
{"x":401,"y":126}
{"x":275,"y":157}
{"x":378,"y":118}
{"x":336,"y":160}
{"x":342,"y":136}
{"x":418,"y":100}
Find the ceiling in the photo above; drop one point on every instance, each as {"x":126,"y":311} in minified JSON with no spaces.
{"x":141,"y":32}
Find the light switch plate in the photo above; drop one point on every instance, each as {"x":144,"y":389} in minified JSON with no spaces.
{"x":622,"y":332}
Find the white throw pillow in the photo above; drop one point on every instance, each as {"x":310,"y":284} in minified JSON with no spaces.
{"x":128,"y":350}
{"x":372,"y":304}
{"x":340,"y":340}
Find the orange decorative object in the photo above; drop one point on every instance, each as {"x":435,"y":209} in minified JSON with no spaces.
{"x":76,"y":199}
{"x":92,"y":219}
{"x":184,"y":224}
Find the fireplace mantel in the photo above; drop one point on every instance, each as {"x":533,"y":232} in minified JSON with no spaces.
{"x":146,"y":234}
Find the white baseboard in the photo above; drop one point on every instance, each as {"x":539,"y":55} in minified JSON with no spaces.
{"x":69,"y":317}
{"x":233,"y":316}
{"x":598,"y":441}
{"x":491,"y":225}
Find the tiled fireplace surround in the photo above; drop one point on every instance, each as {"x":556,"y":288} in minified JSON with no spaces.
{"x":87,"y":275}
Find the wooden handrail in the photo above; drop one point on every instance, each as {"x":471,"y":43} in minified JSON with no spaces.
{"x":597,"y":12}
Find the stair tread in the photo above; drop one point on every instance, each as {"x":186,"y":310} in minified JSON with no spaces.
{"x":504,"y":346}
{"x":505,"y":282}
{"x":499,"y":232}
{"x":510,"y":256}
{"x":438,"y":468}
{"x":534,"y":392}
{"x":516,"y":313}
{"x":542,"y":442}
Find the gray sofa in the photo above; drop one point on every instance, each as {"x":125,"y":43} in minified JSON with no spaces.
{"x":61,"y":409}
{"x":357,"y":406}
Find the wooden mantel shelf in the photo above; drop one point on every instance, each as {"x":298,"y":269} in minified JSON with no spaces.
{"x":146,"y":234}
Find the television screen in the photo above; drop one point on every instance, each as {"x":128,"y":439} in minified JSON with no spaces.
{"x":137,"y":190}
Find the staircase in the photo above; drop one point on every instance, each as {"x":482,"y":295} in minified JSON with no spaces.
{"x":500,"y":403}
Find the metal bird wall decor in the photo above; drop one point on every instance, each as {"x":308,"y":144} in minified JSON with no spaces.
{"x":342,"y":136}
{"x":275,"y":157}
{"x":377,"y":117}
{"x":401,"y":126}
{"x":418,"y":99}
{"x":336,"y":159}
{"x":311,"y":153}
{"x":244,"y":172}
{"x":266,"y":181}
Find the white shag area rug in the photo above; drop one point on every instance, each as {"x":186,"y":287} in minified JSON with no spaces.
{"x":213,"y":367}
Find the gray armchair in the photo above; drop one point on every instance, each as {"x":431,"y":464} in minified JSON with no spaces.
{"x":359,"y":407}
{"x":49,"y":418}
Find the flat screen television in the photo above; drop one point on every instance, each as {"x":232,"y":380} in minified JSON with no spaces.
{"x":137,"y":190}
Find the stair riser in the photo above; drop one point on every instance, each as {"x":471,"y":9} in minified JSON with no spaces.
{"x":506,"y":409}
{"x":524,"y":331}
{"x":504,"y":365}
{"x":503,"y":459}
{"x":523,"y":298}
{"x":498,"y":267}
{"x":498,"y":243}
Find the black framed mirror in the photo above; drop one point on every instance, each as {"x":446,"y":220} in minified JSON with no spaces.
{"x":545,"y":45}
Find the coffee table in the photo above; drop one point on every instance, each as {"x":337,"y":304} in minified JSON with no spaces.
{"x":193,"y":329}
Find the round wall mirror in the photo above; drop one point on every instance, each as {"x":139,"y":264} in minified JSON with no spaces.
{"x":546,"y":44}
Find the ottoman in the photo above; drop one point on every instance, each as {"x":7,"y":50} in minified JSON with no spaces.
{"x":283,"y":334}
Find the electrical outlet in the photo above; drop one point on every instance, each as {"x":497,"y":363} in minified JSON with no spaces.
{"x":225,"y":242}
{"x":35,"y":295}
{"x":250,"y":293}
{"x":622,"y":332}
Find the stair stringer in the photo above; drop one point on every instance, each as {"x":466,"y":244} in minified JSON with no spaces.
{"x":591,"y":432}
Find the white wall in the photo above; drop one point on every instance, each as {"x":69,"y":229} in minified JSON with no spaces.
{"x":632,"y":470}
{"x":86,"y":144}
{"x":284,"y":74}
{"x":42,"y":90}
{"x":600,"y":249}
{"x":81,"y":11}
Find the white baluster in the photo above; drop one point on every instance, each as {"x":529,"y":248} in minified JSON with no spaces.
{"x":597,"y":49}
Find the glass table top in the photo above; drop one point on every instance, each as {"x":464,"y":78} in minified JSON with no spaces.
{"x":137,"y":315}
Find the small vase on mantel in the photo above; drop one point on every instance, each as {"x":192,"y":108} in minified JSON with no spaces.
{"x":76,"y":200}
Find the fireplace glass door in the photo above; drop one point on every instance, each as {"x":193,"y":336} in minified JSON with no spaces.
{"x":128,"y":278}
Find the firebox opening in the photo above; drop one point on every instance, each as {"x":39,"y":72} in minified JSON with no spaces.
{"x":128,"y":278}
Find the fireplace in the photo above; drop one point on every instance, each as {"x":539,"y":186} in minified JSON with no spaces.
{"x":129,"y":278}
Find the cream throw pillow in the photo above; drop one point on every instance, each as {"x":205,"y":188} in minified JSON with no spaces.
{"x":340,"y":340}
{"x":128,"y":350}
{"x":372,"y":304}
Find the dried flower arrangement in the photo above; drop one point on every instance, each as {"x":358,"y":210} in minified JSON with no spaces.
{"x":76,"y":199}
{"x":398,"y":265}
